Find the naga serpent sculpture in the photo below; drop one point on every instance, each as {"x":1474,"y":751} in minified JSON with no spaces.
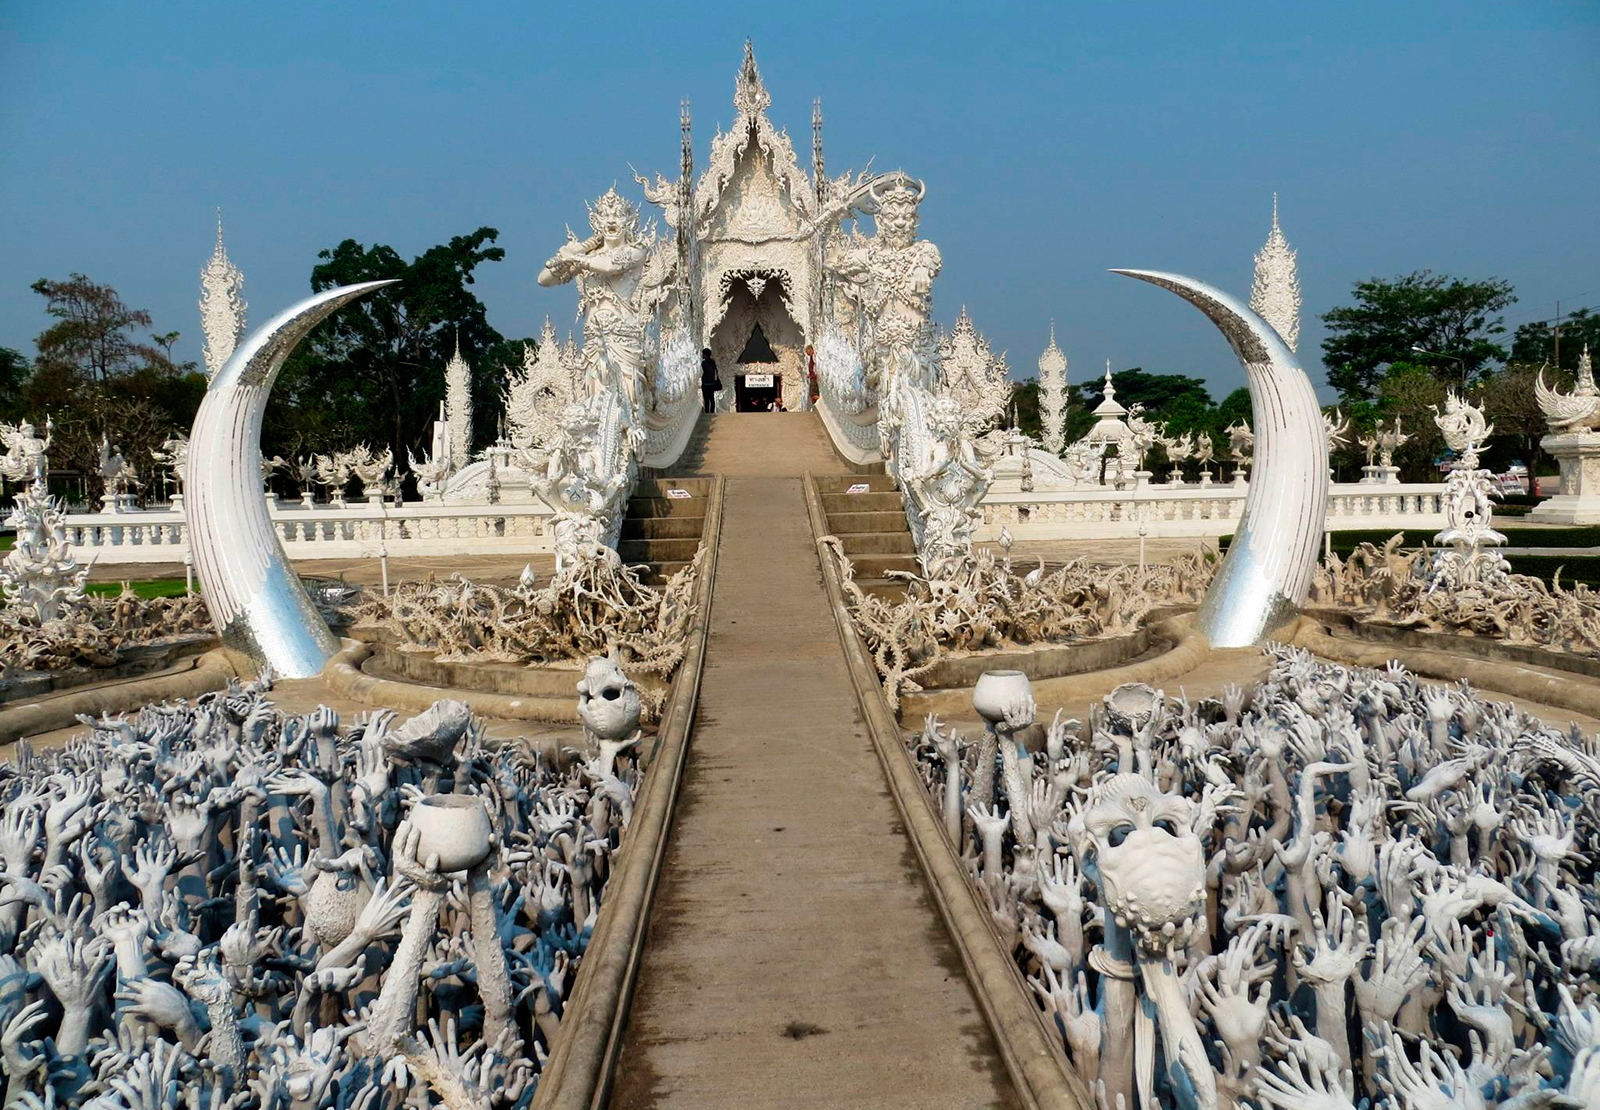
{"x":261,"y":609}
{"x":1267,"y":574}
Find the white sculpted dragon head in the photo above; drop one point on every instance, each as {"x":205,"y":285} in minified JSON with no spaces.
{"x":1148,"y":862}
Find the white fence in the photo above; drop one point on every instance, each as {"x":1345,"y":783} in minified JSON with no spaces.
{"x":361,"y":530}
{"x":366,"y":529}
{"x":1203,"y":511}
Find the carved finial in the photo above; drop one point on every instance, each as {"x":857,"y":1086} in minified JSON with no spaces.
{"x":222,"y":306}
{"x":1053,"y":393}
{"x":819,"y":178}
{"x":1275,"y":292}
{"x":1586,"y":372}
{"x":750,"y":96}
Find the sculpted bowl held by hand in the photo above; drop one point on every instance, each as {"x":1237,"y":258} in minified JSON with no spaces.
{"x":997,"y":691}
{"x":455,"y":827}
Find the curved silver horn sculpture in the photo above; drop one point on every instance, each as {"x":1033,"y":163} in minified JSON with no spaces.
{"x":257,"y":602}
{"x":1267,"y":574}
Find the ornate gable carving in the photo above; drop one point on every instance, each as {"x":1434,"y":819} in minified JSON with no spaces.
{"x":774,"y":170}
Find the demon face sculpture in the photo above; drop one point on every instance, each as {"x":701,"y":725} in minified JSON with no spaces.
{"x":1138,"y":845}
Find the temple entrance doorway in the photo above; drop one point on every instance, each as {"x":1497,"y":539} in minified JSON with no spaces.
{"x":760,"y":344}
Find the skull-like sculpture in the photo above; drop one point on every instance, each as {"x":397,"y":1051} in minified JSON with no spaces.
{"x":608,"y":701}
{"x":1147,"y":860}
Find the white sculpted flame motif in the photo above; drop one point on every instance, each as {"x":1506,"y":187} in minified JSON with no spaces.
{"x":945,"y":481}
{"x":978,"y":379}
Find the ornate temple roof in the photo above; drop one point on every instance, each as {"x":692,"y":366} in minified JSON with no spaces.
{"x":750,"y":102}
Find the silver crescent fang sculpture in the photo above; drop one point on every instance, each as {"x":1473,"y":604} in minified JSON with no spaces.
{"x":260,"y":607}
{"x":1267,"y":574}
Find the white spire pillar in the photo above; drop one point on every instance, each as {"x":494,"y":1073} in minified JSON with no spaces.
{"x":1275,"y":292}
{"x":458,"y":407}
{"x":1053,"y":394}
{"x":222,"y":306}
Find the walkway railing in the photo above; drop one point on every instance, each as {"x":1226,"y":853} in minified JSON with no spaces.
{"x":363,"y":529}
{"x":1201,"y":511}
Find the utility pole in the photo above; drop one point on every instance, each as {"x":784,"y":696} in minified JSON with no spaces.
{"x":1558,"y":335}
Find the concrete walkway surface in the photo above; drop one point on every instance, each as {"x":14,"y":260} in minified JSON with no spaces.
{"x":794,"y":957}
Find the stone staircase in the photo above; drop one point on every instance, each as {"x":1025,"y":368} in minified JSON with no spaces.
{"x":871,"y":525}
{"x":660,"y":532}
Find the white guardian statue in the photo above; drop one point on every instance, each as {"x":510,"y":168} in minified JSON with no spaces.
{"x":622,"y":277}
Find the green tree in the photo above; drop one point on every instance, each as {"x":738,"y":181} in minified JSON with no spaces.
{"x":96,"y":381}
{"x":1535,"y":343}
{"x":1155,"y":392}
{"x":1509,"y":401}
{"x":14,"y":370}
{"x":1412,"y":393}
{"x":1453,"y":321}
{"x":374,"y":371}
{"x":92,"y":334}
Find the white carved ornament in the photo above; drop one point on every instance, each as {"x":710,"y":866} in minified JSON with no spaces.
{"x":1275,"y":292}
{"x":222,"y":306}
{"x":458,"y":409}
{"x":974,"y":377}
{"x":1053,"y":394}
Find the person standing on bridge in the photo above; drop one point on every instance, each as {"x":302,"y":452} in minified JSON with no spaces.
{"x":710,"y":383}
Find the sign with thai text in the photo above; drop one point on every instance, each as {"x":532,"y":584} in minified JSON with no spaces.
{"x":678,"y":494}
{"x":758,"y":381}
{"x":859,"y":487}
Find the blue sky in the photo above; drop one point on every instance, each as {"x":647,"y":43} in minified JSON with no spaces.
{"x":1056,"y":140}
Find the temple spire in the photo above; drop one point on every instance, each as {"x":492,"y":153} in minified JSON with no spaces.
{"x":750,"y":96}
{"x":819,"y":176}
{"x":458,"y":407}
{"x":1053,"y":393}
{"x":1275,"y":292}
{"x":222,"y":306}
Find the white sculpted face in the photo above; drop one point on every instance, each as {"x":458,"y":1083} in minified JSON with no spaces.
{"x":608,"y":701}
{"x":1151,"y":865}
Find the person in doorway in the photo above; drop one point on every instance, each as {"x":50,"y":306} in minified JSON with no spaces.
{"x":812,"y":387}
{"x":710,"y":383}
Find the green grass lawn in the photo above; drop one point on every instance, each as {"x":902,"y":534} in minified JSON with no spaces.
{"x":147,"y":588}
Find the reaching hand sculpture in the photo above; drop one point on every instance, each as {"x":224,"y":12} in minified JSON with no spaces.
{"x":1264,"y":866}
{"x":271,"y":867}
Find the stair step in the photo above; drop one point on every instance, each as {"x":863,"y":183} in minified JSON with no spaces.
{"x":658,"y":551}
{"x":890,"y":589}
{"x":840,"y":483}
{"x":860,"y":502}
{"x":697,"y":488}
{"x":656,"y":574}
{"x":877,"y":543}
{"x":641,"y":507}
{"x":877,"y":566}
{"x":663,"y":528}
{"x":842,"y":523}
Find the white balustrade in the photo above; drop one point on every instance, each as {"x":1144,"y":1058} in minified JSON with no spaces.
{"x":1190,"y":510}
{"x":356,"y":530}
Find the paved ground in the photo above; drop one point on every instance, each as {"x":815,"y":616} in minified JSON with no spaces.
{"x":794,"y":957}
